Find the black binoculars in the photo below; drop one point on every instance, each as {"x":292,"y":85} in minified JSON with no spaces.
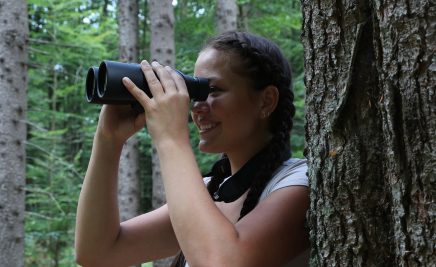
{"x":104,"y":84}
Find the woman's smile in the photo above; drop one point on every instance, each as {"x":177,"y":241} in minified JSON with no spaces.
{"x":207,"y":127}
{"x":204,"y":125}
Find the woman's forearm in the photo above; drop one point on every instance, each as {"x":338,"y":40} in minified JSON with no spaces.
{"x":199,"y":225}
{"x":97,"y":224}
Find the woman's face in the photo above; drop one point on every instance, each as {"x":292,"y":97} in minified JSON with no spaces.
{"x":229,"y":121}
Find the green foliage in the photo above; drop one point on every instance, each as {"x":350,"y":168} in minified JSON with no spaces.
{"x":67,"y":37}
{"x":194,"y":24}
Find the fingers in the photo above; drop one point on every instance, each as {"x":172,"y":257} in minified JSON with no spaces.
{"x":165,"y":77}
{"x":137,"y":93}
{"x":178,"y":80}
{"x":158,"y":78}
{"x":155,"y":86}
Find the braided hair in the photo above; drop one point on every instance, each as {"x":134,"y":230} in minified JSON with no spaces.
{"x":263,"y":64}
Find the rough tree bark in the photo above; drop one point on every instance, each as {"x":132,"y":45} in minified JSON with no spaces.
{"x":128,"y":174}
{"x":162,"y":49}
{"x":13,"y":109}
{"x":371,"y":127}
{"x":227,"y":15}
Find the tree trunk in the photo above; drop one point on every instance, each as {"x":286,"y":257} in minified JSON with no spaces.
{"x":128,"y":190}
{"x":226,"y":14}
{"x":244,"y":14}
{"x":104,"y":9}
{"x":13,"y":109}
{"x":371,"y":127}
{"x":162,"y":49}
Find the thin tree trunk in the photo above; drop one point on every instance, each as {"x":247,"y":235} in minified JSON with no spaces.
{"x":104,"y":9}
{"x":129,"y":194}
{"x":371,"y":123}
{"x":13,"y":109}
{"x":162,"y":49}
{"x":128,"y":190}
{"x":226,"y":15}
{"x":244,"y":10}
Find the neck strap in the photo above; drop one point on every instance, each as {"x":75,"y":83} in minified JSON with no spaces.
{"x":235,"y":186}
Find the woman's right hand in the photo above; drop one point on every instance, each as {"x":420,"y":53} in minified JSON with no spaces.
{"x":118,"y":123}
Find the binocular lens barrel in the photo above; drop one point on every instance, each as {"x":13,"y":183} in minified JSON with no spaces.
{"x":92,"y":87}
{"x":104,"y":84}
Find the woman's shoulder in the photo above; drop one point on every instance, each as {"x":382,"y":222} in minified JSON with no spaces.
{"x":292,"y":172}
{"x":294,"y":163}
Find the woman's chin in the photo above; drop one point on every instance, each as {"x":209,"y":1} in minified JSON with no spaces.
{"x":207,"y":147}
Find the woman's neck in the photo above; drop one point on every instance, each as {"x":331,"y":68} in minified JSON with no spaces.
{"x":238,"y":158}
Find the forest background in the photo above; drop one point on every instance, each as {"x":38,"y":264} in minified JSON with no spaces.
{"x":68,"y":37}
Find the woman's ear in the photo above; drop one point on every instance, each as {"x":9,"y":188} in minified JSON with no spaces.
{"x":270,"y":98}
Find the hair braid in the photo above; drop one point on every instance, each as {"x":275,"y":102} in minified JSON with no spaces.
{"x":276,"y":153}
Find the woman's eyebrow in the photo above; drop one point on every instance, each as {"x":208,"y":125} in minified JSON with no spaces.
{"x":212,"y":78}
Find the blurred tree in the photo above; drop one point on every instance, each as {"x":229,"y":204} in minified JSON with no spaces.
{"x":13,"y":108}
{"x":226,"y":15}
{"x":162,"y":49}
{"x":128,"y":173}
{"x":371,"y":123}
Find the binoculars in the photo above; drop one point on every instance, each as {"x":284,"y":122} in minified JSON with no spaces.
{"x":104,"y":84}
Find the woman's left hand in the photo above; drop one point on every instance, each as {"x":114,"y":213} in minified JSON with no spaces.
{"x":167,"y":111}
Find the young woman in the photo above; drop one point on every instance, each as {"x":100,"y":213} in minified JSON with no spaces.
{"x":252,"y":211}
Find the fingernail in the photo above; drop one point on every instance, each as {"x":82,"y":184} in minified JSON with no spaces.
{"x":144,"y":63}
{"x":155,"y":63}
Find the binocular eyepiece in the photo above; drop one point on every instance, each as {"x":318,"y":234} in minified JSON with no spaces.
{"x":104,"y":84}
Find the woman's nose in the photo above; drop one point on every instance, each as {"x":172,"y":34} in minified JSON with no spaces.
{"x":200,"y":107}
